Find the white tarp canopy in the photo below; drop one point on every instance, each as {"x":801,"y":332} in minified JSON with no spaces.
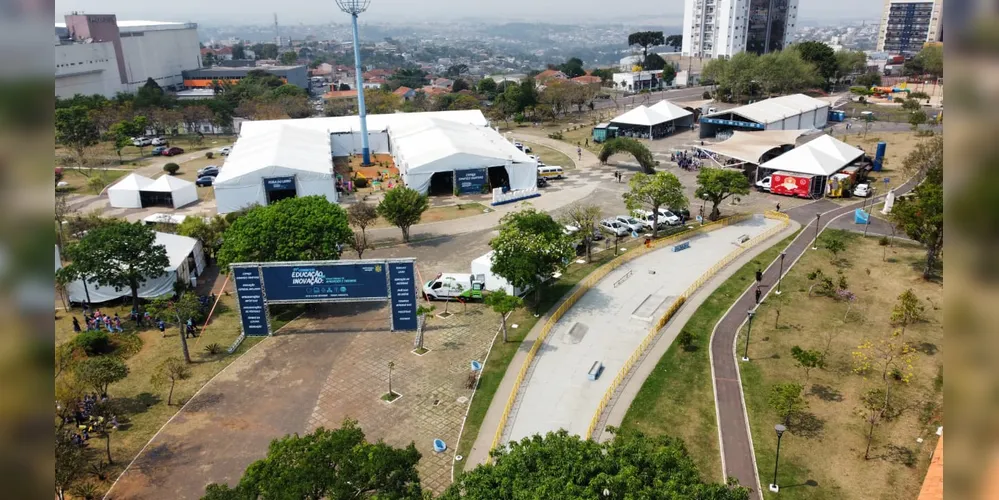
{"x":750,"y":146}
{"x":125,"y":193}
{"x":178,"y":249}
{"x":182,"y":192}
{"x":285,"y":151}
{"x":669,"y":110}
{"x":777,"y":108}
{"x":645,"y":116}
{"x":422,"y":148}
{"x":376,"y":123}
{"x":825,"y":155}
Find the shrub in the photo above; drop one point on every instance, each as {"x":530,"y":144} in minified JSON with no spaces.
{"x":213,"y":349}
{"x":843,"y":284}
{"x":706,"y":95}
{"x":209,"y":155}
{"x":94,"y":343}
{"x":685,"y":339}
{"x":96,"y":184}
{"x":883,"y":241}
{"x":171,"y":168}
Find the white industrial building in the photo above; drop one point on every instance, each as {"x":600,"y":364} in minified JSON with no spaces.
{"x":97,"y":54}
{"x":723,"y":28}
{"x":789,"y":112}
{"x":428,"y":148}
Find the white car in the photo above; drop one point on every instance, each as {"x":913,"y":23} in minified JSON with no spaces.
{"x":646,"y":218}
{"x":570,"y":229}
{"x":158,"y":141}
{"x":141,"y":141}
{"x":862,"y":190}
{"x":763,"y":184}
{"x":614,"y":227}
{"x":631,"y":223}
{"x":225,"y":151}
{"x":669,"y":217}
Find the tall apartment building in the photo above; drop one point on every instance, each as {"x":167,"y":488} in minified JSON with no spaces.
{"x":723,"y":28}
{"x":907,"y":24}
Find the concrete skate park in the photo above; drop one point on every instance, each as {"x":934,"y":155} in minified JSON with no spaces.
{"x":607,"y":324}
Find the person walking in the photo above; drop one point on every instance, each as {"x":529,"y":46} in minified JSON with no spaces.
{"x":76,"y":325}
{"x":758,"y":294}
{"x":579,"y":152}
{"x":778,"y":206}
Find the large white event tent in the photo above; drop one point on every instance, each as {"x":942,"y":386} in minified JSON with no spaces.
{"x":425,"y":147}
{"x":125,"y":193}
{"x":185,"y":255}
{"x":752,"y":147}
{"x":277,"y":163}
{"x":661,"y":115}
{"x":823,"y":156}
{"x":136,"y":191}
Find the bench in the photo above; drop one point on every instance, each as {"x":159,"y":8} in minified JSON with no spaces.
{"x":595,"y":369}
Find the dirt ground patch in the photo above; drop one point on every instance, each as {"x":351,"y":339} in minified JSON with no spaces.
{"x":439,"y":214}
{"x":823,"y":452}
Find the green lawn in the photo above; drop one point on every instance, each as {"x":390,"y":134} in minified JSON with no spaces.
{"x":551,"y":156}
{"x":80,"y":183}
{"x":677,"y":399}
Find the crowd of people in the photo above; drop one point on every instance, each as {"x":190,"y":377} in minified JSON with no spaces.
{"x":83,"y":419}
{"x":95,"y":320}
{"x":687,"y":160}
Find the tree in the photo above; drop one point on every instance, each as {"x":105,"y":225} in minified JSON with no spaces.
{"x":572,"y":68}
{"x":869,"y":79}
{"x":208,"y":59}
{"x":646,"y":39}
{"x":238,"y":52}
{"x":171,"y":168}
{"x":412,"y":77}
{"x":675,"y":41}
{"x":560,"y":465}
{"x":121,"y":137}
{"x":151,"y":95}
{"x":807,"y":359}
{"x":584,"y":217}
{"x":906,"y":311}
{"x":922,"y":218}
{"x":873,"y":410}
{"x":715,"y":185}
{"x":171,"y":370}
{"x":423,"y":314}
{"x":132,"y":249}
{"x":629,"y":145}
{"x":361,"y":215}
{"x":850,"y":62}
{"x":821,"y":55}
{"x":337,"y":464}
{"x":303,"y":228}
{"x":208,"y":232}
{"x":929,"y":60}
{"x":456,"y":70}
{"x":487,"y":87}
{"x":890,"y":358}
{"x":459,"y":85}
{"x":503,"y":303}
{"x":288,"y":58}
{"x":917,"y":118}
{"x":402,"y":207}
{"x":661,"y":189}
{"x":381,"y":101}
{"x":911,"y":105}
{"x":359,"y":243}
{"x":70,"y":463}
{"x":835,"y":245}
{"x":924,"y":160}
{"x":75,"y":130}
{"x":786,"y":400}
{"x":530,"y":248}
{"x":653,"y":62}
{"x":185,"y":307}
{"x":100,"y":372}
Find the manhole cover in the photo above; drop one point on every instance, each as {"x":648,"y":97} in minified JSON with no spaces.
{"x":462,"y":400}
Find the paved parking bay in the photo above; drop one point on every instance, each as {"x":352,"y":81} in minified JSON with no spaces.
{"x":607,"y":325}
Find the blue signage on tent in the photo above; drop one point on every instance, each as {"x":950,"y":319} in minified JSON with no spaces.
{"x":731,"y":123}
{"x":250,"y":298}
{"x":470,"y":181}
{"x":402,"y":288}
{"x":306,"y":282}
{"x":279,"y":183}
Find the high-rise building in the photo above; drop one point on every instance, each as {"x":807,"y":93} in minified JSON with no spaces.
{"x":908,"y":24}
{"x":722,"y":28}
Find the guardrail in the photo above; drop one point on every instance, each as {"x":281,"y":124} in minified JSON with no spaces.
{"x":583,"y":287}
{"x":673,"y":308}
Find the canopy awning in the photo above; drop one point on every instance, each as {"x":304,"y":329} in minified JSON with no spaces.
{"x":824,"y":155}
{"x":645,"y":116}
{"x":751,"y":146}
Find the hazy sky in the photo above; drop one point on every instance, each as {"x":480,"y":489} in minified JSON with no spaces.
{"x":325,"y":11}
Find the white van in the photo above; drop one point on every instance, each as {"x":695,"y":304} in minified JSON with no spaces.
{"x":763,"y":184}
{"x":550,"y":172}
{"x":447,"y":286}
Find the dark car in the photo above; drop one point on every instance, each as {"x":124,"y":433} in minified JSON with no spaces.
{"x":682,"y":213}
{"x":158,"y":150}
{"x":542,"y":182}
{"x":204,"y":181}
{"x":172,"y":151}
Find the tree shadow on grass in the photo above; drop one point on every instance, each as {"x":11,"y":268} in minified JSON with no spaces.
{"x":900,"y":455}
{"x":137,"y":404}
{"x":927,"y":348}
{"x":811,"y":482}
{"x":826,"y":393}
{"x":807,"y":425}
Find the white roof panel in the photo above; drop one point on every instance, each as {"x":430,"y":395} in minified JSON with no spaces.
{"x":776,"y":108}
{"x":286,"y":145}
{"x":422,"y":142}
{"x":134,"y":182}
{"x":647,"y":116}
{"x":167,"y":184}
{"x":376,"y":123}
{"x":823,"y":156}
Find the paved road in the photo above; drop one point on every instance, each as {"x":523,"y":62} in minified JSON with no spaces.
{"x":738,"y":459}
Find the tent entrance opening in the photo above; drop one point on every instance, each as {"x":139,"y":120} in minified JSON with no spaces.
{"x":155,"y":199}
{"x":499,"y":177}
{"x":441,"y":184}
{"x":280,"y":194}
{"x":279,"y":188}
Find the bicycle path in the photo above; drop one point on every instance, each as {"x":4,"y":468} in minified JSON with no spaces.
{"x":738,"y":458}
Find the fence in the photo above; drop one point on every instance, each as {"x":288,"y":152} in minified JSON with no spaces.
{"x":583,"y":287}
{"x":654,"y":331}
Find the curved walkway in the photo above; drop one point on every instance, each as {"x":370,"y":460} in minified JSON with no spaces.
{"x":738,"y":458}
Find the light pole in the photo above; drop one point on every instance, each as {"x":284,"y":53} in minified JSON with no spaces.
{"x":355,"y":7}
{"x":780,"y":432}
{"x":868,"y":225}
{"x":780,"y":275}
{"x":745,"y":351}
{"x":815,"y":241}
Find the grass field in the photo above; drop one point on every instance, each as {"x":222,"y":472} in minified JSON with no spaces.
{"x":130,"y":155}
{"x":502,"y":353}
{"x":146,"y":403}
{"x":79,"y":183}
{"x":551,"y":156}
{"x":439,"y":214}
{"x":677,"y":399}
{"x":822,"y":455}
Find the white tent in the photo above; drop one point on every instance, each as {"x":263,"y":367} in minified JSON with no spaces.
{"x":751,"y":146}
{"x":125,"y":193}
{"x":824,"y":156}
{"x":288,"y":151}
{"x":640,"y":116}
{"x":183,"y":254}
{"x":181,"y":192}
{"x":663,"y":113}
{"x":424,"y":147}
{"x":669,"y":110}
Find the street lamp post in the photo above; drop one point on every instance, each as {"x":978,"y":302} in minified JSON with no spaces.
{"x":780,"y":275}
{"x":815,"y":241}
{"x":749,"y":330}
{"x":780,"y":432}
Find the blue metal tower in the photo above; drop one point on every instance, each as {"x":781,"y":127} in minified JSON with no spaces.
{"x":355,"y":7}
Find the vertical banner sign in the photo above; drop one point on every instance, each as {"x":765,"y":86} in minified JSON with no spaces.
{"x":250,"y":297}
{"x":470,"y":181}
{"x":402,"y":294}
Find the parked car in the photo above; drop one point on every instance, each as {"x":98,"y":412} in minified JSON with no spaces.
{"x":210,"y":170}
{"x":542,"y":182}
{"x":172,"y":151}
{"x":205,"y":181}
{"x":527,"y":149}
{"x":159,"y":141}
{"x":681,"y":212}
{"x":669,"y":217}
{"x":570,"y":229}
{"x":141,"y":141}
{"x":158,"y":150}
{"x":225,"y":151}
{"x":646,"y":218}
{"x":631,"y":223}
{"x":862,"y":190}
{"x":614,"y":227}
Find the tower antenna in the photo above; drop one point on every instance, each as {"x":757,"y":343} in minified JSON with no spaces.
{"x":355,"y":7}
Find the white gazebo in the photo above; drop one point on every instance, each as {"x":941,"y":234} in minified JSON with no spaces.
{"x":173,"y":191}
{"x":126,"y":192}
{"x":658,"y":120}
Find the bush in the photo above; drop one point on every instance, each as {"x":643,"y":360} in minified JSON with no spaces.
{"x":94,"y":343}
{"x":96,"y":184}
{"x":171,"y":168}
{"x":209,"y":155}
{"x":213,"y":349}
{"x":843,"y":284}
{"x":685,"y":339}
{"x":883,"y":241}
{"x":706,"y":95}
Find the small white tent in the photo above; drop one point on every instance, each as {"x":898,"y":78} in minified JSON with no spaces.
{"x":181,"y":192}
{"x":663,"y":115}
{"x":291,"y":157}
{"x":125,"y":193}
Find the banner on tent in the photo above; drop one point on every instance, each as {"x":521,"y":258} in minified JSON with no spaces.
{"x":470,"y":181}
{"x":279,"y":183}
{"x":260,"y":284}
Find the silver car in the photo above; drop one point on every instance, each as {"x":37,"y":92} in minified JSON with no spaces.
{"x":614,"y":227}
{"x":631,"y":223}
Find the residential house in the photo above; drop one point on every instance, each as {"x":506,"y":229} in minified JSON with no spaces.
{"x":406,"y":93}
{"x":340,"y":94}
{"x":587,"y":79}
{"x":547,"y":76}
{"x":443,"y":83}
